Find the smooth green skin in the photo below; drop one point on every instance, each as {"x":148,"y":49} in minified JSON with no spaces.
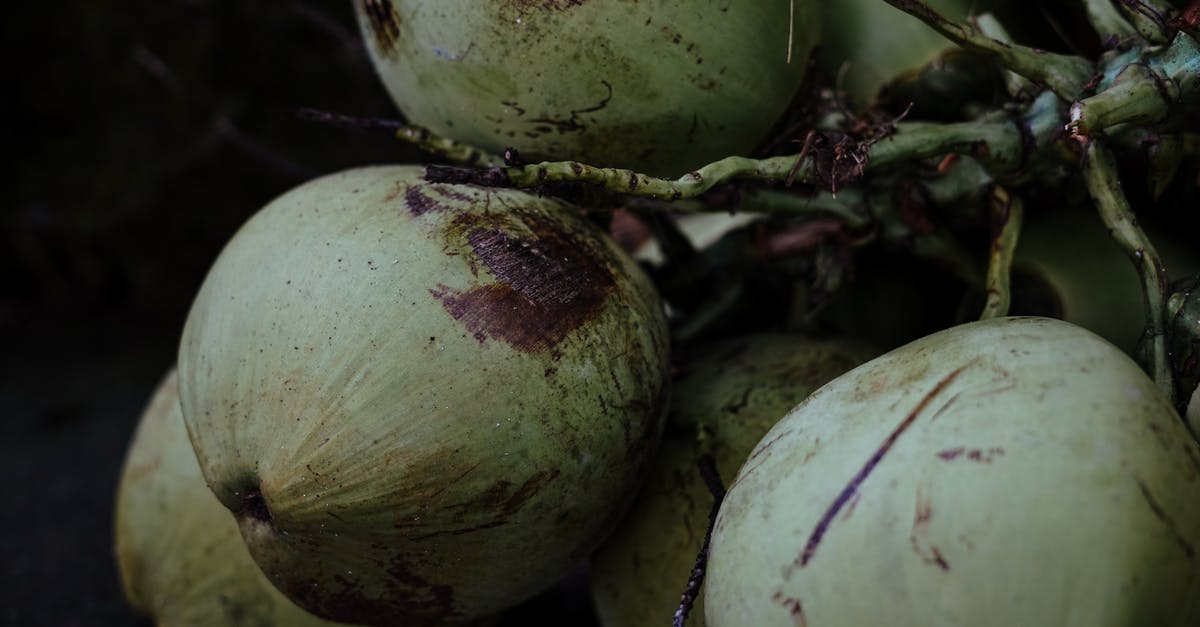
{"x":735,"y":390}
{"x":1026,"y":472}
{"x":418,"y":467}
{"x":877,"y":42}
{"x":691,"y":81}
{"x":181,"y":558}
{"x":1095,"y":284}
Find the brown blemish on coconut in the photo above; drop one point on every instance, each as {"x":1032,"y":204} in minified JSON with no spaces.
{"x":383,"y":22}
{"x":794,"y":607}
{"x":418,"y":203}
{"x":920,"y":530}
{"x":549,"y":282}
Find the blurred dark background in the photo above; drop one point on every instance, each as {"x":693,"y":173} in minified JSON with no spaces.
{"x":140,"y":135}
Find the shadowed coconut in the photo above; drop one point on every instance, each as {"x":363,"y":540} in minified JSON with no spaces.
{"x":181,"y":558}
{"x":733,"y":391}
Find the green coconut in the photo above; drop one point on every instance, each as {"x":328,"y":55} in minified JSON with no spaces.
{"x":732,"y":392}
{"x":181,"y":558}
{"x":423,"y":402}
{"x":1068,"y":266}
{"x":1015,"y":471}
{"x":660,"y":86}
{"x":869,"y":43}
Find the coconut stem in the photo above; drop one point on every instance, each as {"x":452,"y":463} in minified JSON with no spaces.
{"x":419,"y":136}
{"x":1066,"y":75}
{"x":1007,"y":215}
{"x":1104,"y":184}
{"x":712,"y":479}
{"x":999,"y":142}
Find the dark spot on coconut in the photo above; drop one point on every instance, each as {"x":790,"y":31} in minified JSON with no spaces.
{"x":383,"y":22}
{"x":1165,"y":518}
{"x":548,"y":283}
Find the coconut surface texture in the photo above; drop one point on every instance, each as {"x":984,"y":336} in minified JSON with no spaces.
{"x":732,"y":392}
{"x":659,"y":86}
{"x":181,"y":557}
{"x":423,"y":402}
{"x":1018,"y":471}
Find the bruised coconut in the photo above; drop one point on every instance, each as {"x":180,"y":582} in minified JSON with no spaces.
{"x":1017,"y":471}
{"x":181,"y":559}
{"x":423,"y":402}
{"x":660,"y":86}
{"x":730,"y":393}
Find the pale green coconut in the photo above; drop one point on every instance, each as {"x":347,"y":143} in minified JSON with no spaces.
{"x":423,"y":402}
{"x":1017,"y":471}
{"x":181,"y":558}
{"x":733,"y":391}
{"x":661,"y":86}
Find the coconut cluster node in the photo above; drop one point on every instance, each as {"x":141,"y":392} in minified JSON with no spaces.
{"x":421,"y":396}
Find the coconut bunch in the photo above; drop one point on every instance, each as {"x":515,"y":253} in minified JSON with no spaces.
{"x":420,"y":395}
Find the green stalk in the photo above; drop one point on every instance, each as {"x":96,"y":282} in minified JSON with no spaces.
{"x":419,"y":136}
{"x":1104,"y":184}
{"x":1008,"y":212}
{"x":1066,"y":75}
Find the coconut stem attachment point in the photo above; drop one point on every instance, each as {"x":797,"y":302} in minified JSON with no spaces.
{"x":1104,"y":184}
{"x":1145,"y":92}
{"x":712,"y":479}
{"x":255,"y":506}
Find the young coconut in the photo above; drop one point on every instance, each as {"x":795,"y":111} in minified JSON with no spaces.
{"x":423,"y":402}
{"x":659,"y":86}
{"x":730,"y":394}
{"x":1015,"y":471}
{"x":869,"y":43}
{"x":1068,"y":266}
{"x":181,"y":559}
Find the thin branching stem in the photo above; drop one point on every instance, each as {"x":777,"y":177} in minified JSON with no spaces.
{"x":1007,"y":213}
{"x":708,"y":471}
{"x":1104,"y":184}
{"x":1066,"y":75}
